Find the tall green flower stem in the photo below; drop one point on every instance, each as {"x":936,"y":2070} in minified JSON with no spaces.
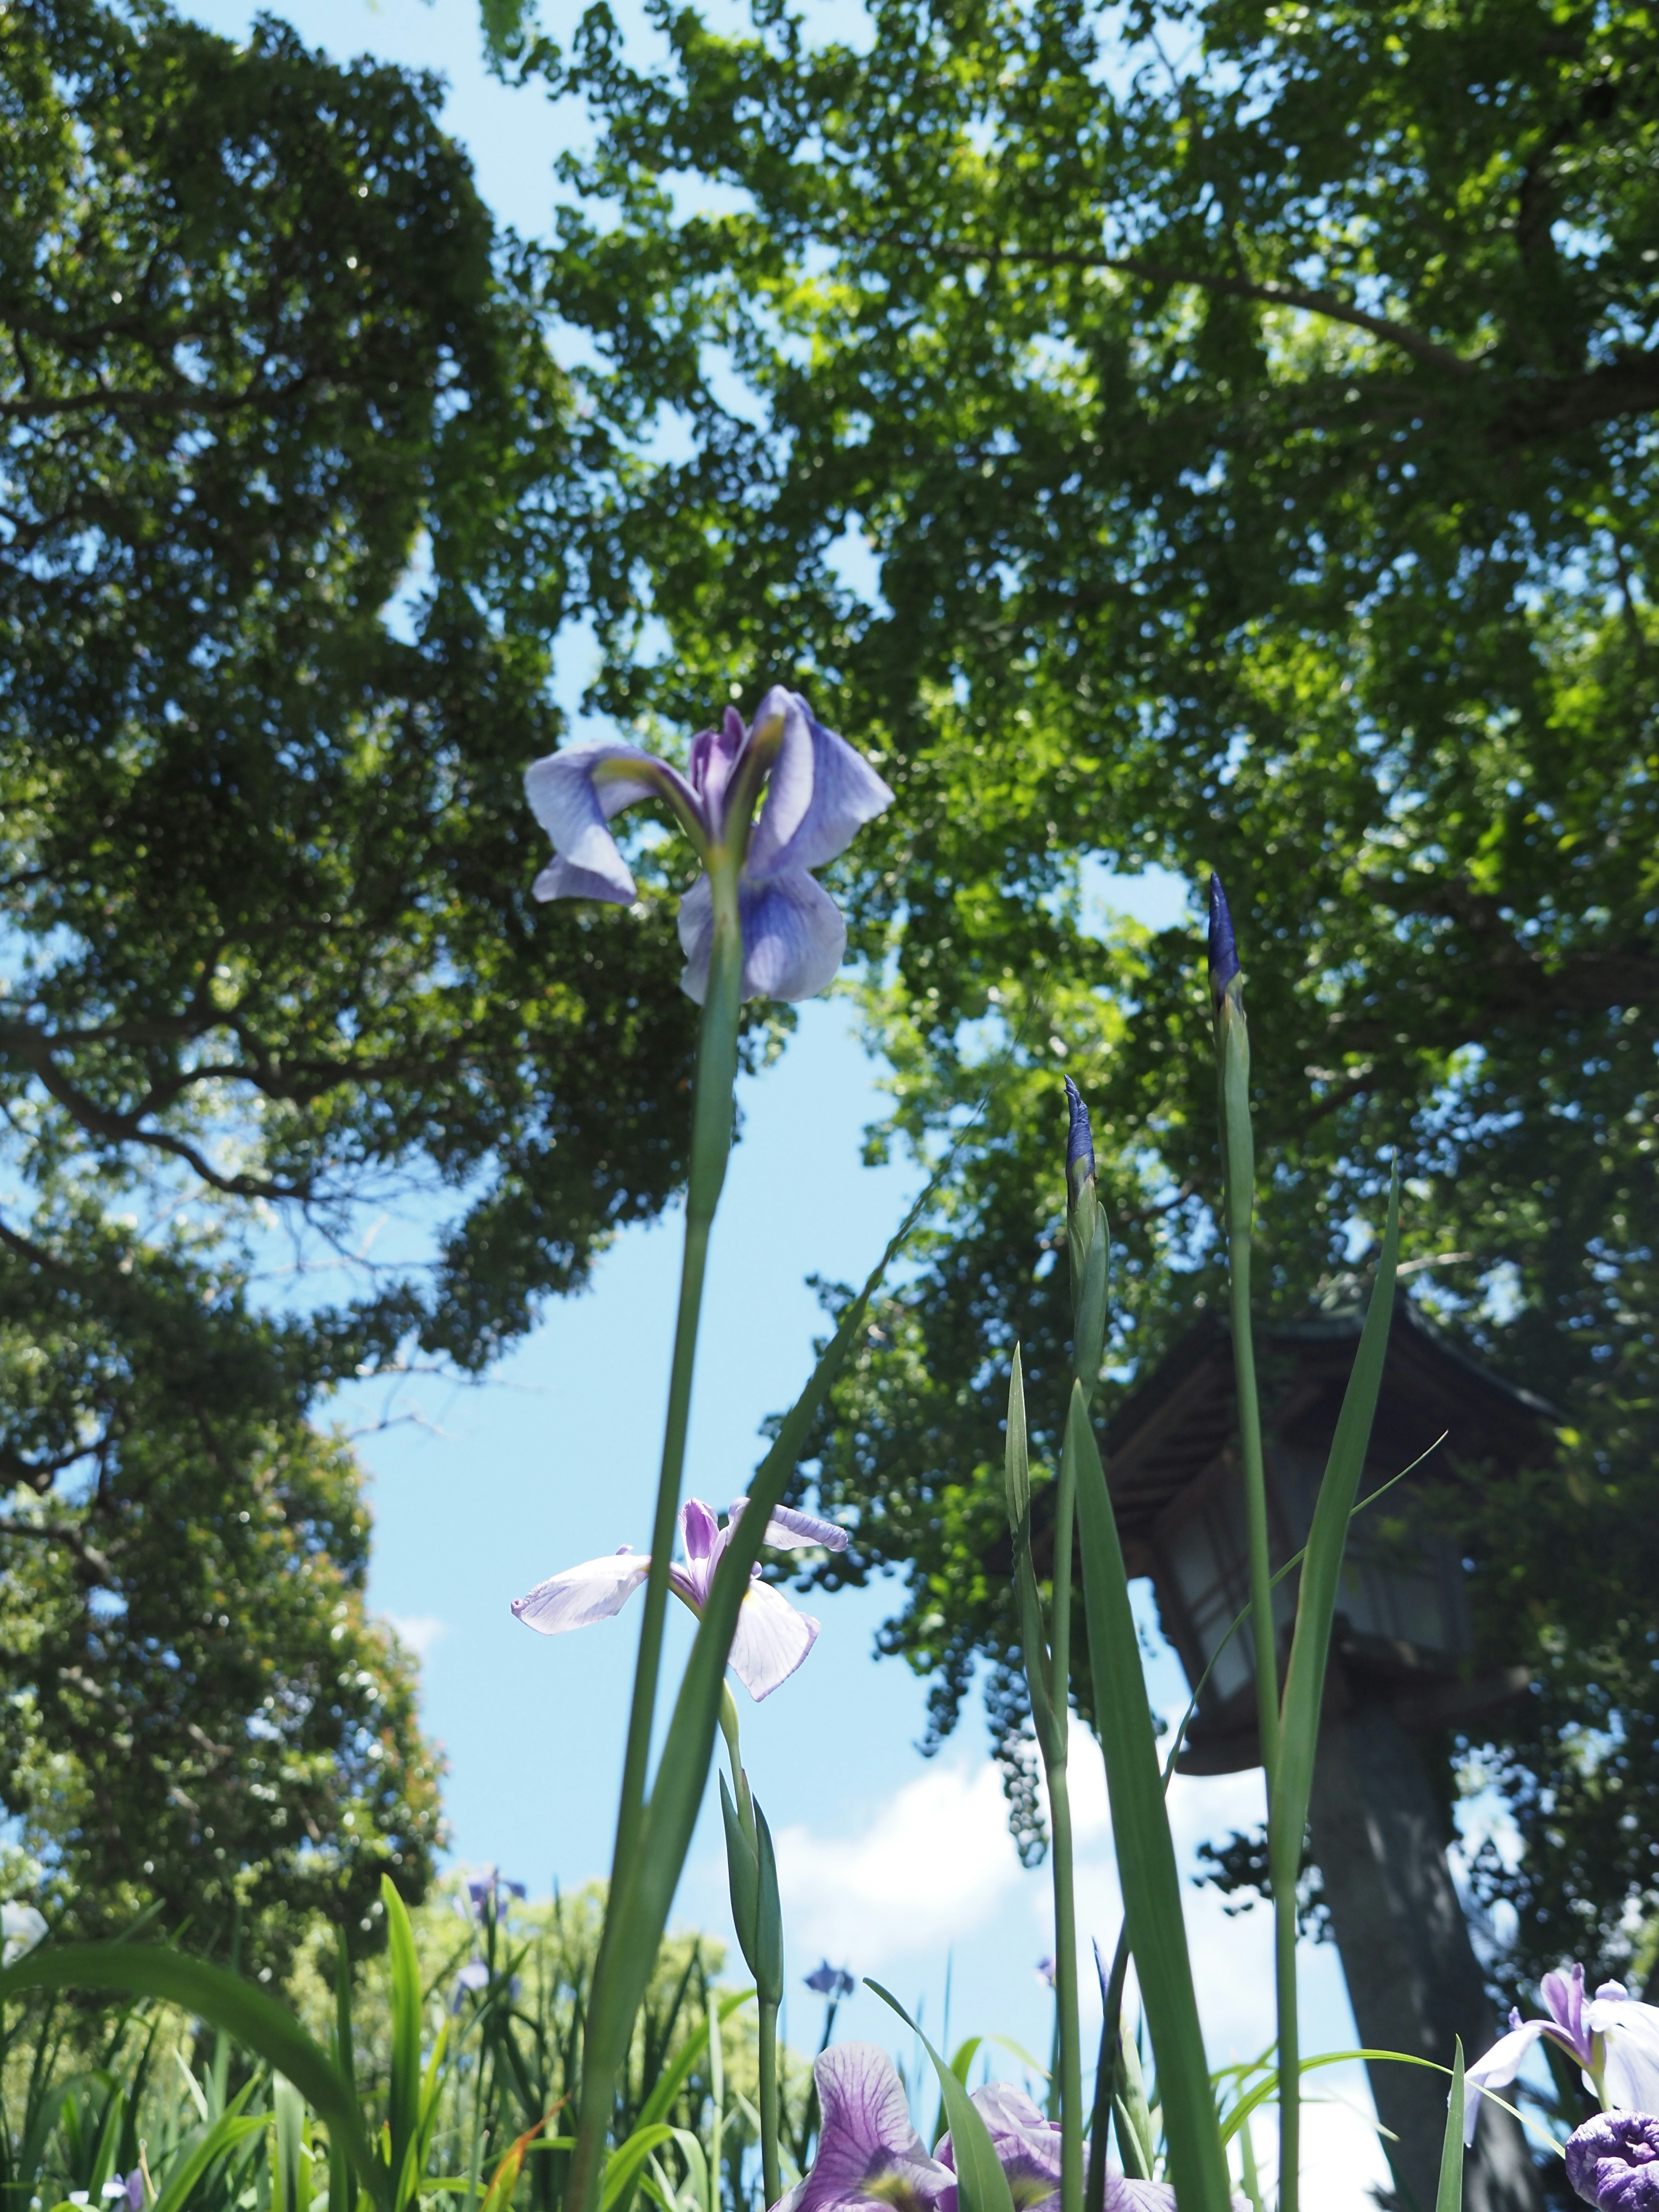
{"x":757,"y":1916}
{"x":1232,"y":1049}
{"x":1047,"y":1675}
{"x":613,"y":2001}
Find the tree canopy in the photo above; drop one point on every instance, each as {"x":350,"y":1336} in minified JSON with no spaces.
{"x":1208,"y":435}
{"x":292,"y":500}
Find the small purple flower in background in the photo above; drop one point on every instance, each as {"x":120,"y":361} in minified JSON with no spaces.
{"x":773,"y":1636}
{"x":1045,"y":1972}
{"x":1614,"y":2039}
{"x":470,"y":1981}
{"x":818,"y":793}
{"x":832,"y":1982}
{"x":869,"y":2154}
{"x":487,"y":1889}
{"x":130,"y":2189}
{"x":1613,"y":2161}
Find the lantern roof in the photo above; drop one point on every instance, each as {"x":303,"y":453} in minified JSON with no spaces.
{"x":1174,"y":1424}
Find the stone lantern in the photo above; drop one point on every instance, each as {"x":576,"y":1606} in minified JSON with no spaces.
{"x":1401,"y":1664}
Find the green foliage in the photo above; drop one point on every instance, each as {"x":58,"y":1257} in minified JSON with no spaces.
{"x":268,"y":860}
{"x":1247,"y":412}
{"x":200,"y":1715}
{"x":82,"y":2090}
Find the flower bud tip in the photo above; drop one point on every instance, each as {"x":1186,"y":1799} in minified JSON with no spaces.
{"x":1079,"y":1142}
{"x":1223,"y":949}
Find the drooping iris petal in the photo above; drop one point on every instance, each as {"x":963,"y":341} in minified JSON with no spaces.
{"x":1124,"y":2194}
{"x":574,"y":793}
{"x":583,"y":1594}
{"x":1613,"y":2161}
{"x":819,"y":795}
{"x":868,"y":2152}
{"x":1497,"y":2067}
{"x":790,"y":1531}
{"x":772,"y":1637}
{"x":794,"y":938}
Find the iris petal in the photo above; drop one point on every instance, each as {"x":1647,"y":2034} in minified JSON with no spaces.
{"x":868,"y":2152}
{"x":772,"y":1637}
{"x":580,"y":1596}
{"x":1498,"y":2067}
{"x":575,"y":792}
{"x":819,"y":795}
{"x":794,"y":938}
{"x":789,"y":1531}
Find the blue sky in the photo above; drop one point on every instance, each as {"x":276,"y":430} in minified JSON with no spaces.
{"x":895,"y":1865}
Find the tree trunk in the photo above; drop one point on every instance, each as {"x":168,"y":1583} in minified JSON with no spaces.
{"x":1410,"y":1968}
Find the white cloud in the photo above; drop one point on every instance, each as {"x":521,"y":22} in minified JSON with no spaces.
{"x":417,"y":1631}
{"x":935,"y":1862}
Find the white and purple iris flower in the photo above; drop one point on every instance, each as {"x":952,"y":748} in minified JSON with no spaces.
{"x":1615,"y":2039}
{"x":817,"y":793}
{"x":773,"y":1636}
{"x":870,"y":2156}
{"x":1612,"y":2163}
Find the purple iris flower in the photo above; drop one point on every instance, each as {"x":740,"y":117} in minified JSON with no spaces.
{"x":772,"y":1636}
{"x":818,"y":791}
{"x":1614,"y":2039}
{"x":490,"y":1888}
{"x":829,"y":1981}
{"x":869,"y":2154}
{"x":130,"y":2189}
{"x":471,"y":1979}
{"x":1613,"y":2161}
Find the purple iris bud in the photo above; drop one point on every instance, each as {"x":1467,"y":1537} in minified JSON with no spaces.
{"x":818,"y":793}
{"x":1612,"y":2160}
{"x":1079,"y":1144}
{"x":772,"y":1636}
{"x":1223,"y":950}
{"x":832,"y":1982}
{"x":1614,"y":2039}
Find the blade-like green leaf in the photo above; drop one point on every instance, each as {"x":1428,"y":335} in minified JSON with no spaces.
{"x":769,"y":1919}
{"x":293,"y":2190}
{"x":981,"y":2181}
{"x":639,"y":1912}
{"x":233,"y":2126}
{"x":403,"y":2099}
{"x":1450,"y":2196}
{"x":625,"y":2161}
{"x":963,"y":2056}
{"x":1141,"y":1827}
{"x":1321,"y":1566}
{"x":671,"y":2079}
{"x":242,"y":2010}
